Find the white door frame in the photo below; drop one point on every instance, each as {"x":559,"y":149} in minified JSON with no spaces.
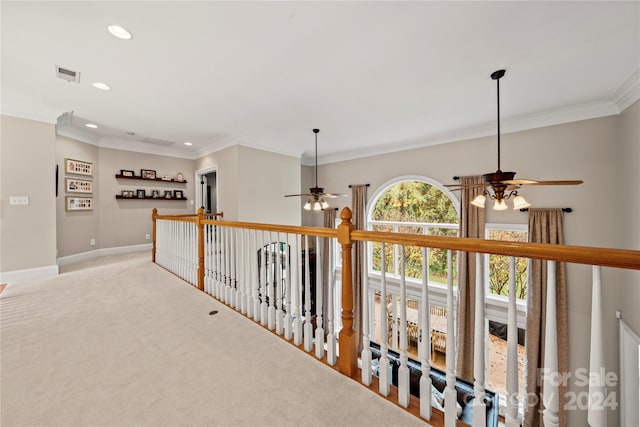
{"x":198,"y":188}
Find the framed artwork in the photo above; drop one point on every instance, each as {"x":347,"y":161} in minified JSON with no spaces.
{"x":177,"y":194}
{"x":141,"y":194}
{"x":124,"y":172}
{"x":79,"y":203}
{"x":78,"y":167}
{"x":167,"y":194}
{"x":179,"y":177}
{"x":127,"y":193}
{"x":148,"y":174}
{"x":77,"y":185}
{"x":155,"y":194}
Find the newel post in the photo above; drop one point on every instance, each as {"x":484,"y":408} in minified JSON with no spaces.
{"x":347,"y":339}
{"x":154,"y":216}
{"x":200,"y":226}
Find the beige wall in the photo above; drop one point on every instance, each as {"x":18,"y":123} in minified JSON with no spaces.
{"x":252,"y":184}
{"x":75,"y":229}
{"x":114,"y":223}
{"x":27,"y":168}
{"x":581,"y":150}
{"x":127,"y":222}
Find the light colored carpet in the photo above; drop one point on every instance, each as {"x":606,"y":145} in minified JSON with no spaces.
{"x":119,"y":341}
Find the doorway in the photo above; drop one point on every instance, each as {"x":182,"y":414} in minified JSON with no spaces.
{"x":207,"y":189}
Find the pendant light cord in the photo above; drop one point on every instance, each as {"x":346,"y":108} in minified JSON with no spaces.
{"x":498,"y":83}
{"x":316,"y":132}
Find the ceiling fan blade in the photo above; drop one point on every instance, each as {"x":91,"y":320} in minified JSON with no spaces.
{"x":297,"y":195}
{"x":465,"y":185}
{"x":334,"y":195}
{"x":519,"y":182}
{"x":530,"y":182}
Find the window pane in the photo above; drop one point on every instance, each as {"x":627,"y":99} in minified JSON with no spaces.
{"x":499,"y":265}
{"x":377,"y":251}
{"x":412,"y":254}
{"x":414,"y":201}
{"x":438,"y":258}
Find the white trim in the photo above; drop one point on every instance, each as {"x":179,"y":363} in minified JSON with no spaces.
{"x":12,"y":277}
{"x":628,"y":92}
{"x":84,"y":256}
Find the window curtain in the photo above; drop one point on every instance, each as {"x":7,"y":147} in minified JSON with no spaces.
{"x":329,"y":222}
{"x":545,"y":226}
{"x":471,"y":225}
{"x":358,"y":206}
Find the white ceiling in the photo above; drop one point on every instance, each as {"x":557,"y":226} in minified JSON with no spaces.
{"x":373,"y":76}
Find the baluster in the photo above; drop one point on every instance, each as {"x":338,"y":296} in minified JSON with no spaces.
{"x":331,"y":336}
{"x":319,"y":308}
{"x":383,"y":365}
{"x":271,"y":284}
{"x":279,"y":264}
{"x":227,"y":255}
{"x":242,"y":282}
{"x":550,"y":385}
{"x":296,"y":294}
{"x":450,"y":410}
{"x":511,"y":417}
{"x":394,"y":323}
{"x":234,"y":273}
{"x":262,"y":283}
{"x":216,"y":261}
{"x":255,"y":276}
{"x":229,"y":272}
{"x":425,"y":341}
{"x":246,"y":262}
{"x":366,"y":339}
{"x":308,"y":328}
{"x":288,"y":259}
{"x":597,"y":413}
{"x":481,"y":335}
{"x":403,"y":370}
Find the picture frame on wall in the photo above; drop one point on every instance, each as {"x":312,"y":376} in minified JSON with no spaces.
{"x":141,"y":194}
{"x":127,"y":193}
{"x":79,"y":203}
{"x":167,"y":194}
{"x":128,"y":173}
{"x":77,"y":185}
{"x":148,"y":174}
{"x":155,"y":194}
{"x":177,"y":194}
{"x":78,"y":167}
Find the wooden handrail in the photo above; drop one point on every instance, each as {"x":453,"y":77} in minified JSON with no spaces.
{"x":291,"y":229}
{"x":606,"y":257}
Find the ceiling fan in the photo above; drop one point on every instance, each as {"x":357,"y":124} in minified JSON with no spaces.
{"x":317,"y":201}
{"x":503,"y":184}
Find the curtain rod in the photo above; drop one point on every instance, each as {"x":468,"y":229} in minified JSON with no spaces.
{"x":366,"y":185}
{"x":563,"y":210}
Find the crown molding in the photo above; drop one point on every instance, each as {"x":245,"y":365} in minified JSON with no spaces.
{"x":546,"y":118}
{"x":78,"y":135}
{"x":143,"y":147}
{"x":628,"y":92}
{"x":44,"y":118}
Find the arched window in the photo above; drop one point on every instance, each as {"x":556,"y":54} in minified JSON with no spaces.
{"x":417,"y":205}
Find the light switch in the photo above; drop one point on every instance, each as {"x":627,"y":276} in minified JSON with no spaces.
{"x":18,"y":200}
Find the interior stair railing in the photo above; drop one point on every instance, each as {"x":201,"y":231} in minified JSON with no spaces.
{"x":283,"y":278}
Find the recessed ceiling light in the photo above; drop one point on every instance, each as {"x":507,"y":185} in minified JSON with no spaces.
{"x":101,"y":86}
{"x":188,"y":143}
{"x":91,"y":125}
{"x":119,"y":32}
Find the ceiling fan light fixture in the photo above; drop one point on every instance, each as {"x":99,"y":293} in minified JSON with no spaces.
{"x":325,"y":205}
{"x":317,"y":206}
{"x":519,"y":202}
{"x":499,"y":205}
{"x":479,"y":201}
{"x":307,"y":206}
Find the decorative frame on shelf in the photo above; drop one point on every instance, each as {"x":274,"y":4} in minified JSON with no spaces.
{"x":177,"y":194}
{"x":78,"y":167}
{"x":79,"y":203}
{"x":155,"y":194}
{"x":77,"y":185}
{"x":168,"y":195}
{"x":127,"y":193}
{"x":148,"y":174}
{"x":127,"y":173}
{"x":141,"y":194}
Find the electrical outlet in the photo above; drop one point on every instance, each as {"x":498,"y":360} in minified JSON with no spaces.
{"x":92,"y":242}
{"x":148,"y":236}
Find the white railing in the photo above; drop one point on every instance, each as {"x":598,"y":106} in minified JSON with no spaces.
{"x":276,"y":275}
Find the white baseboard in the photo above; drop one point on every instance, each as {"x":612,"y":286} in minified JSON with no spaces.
{"x":10,"y":277}
{"x":103,"y":252}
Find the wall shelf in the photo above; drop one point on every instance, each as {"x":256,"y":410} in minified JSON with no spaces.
{"x":139,"y":178}
{"x":149,"y":198}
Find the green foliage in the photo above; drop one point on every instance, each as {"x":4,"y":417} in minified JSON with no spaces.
{"x":415,"y":201}
{"x":499,"y":266}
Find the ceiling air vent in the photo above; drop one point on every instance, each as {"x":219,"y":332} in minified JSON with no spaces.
{"x":158,"y":141}
{"x":67,"y":74}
